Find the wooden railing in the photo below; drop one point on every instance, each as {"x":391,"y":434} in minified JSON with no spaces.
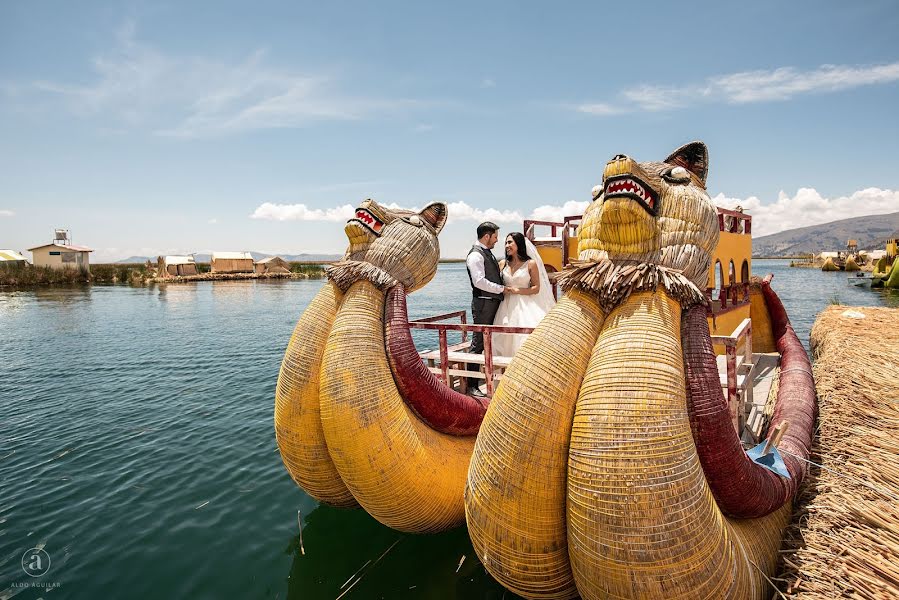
{"x":735,"y":294}
{"x":742,"y":336}
{"x":431,"y":323}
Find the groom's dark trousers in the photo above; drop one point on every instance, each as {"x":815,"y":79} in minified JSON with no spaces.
{"x":482,"y":311}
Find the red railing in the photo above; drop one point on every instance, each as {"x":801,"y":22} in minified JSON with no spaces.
{"x":741,"y":335}
{"x":734,"y":221}
{"x":430,"y":323}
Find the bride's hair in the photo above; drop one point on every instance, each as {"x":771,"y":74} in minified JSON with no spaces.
{"x":518,"y":237}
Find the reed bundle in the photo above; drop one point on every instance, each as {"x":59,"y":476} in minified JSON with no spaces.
{"x":845,"y":541}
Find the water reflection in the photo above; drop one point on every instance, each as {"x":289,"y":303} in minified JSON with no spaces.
{"x":62,"y":295}
{"x":347,"y":548}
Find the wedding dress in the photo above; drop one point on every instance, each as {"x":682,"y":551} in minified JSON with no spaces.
{"x":517,"y":310}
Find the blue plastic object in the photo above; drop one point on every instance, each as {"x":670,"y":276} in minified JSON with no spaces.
{"x":772,"y":461}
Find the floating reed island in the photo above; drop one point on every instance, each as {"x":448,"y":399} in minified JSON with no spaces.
{"x":844,"y":538}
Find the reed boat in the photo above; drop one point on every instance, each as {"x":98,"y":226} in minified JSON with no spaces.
{"x":609,"y":457}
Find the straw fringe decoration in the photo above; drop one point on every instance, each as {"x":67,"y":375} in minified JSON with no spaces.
{"x":615,"y":282}
{"x":346,"y":272}
{"x":844,"y":542}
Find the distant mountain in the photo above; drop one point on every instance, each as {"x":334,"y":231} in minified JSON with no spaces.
{"x":205,"y":258}
{"x":871,"y":232}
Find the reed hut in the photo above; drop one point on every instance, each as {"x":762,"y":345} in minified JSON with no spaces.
{"x":232,"y":262}
{"x":10,"y":258}
{"x":844,"y":539}
{"x":272,"y":264}
{"x":176,"y":266}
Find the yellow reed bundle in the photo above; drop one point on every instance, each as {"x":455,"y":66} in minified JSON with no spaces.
{"x":405,"y":474}
{"x":515,"y":497}
{"x":642,"y":522}
{"x":298,"y":427}
{"x":845,"y":541}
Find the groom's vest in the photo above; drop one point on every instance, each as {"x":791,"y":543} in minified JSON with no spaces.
{"x":491,"y":272}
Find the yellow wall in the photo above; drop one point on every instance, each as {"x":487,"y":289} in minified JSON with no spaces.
{"x":735,"y":247}
{"x":41,"y":257}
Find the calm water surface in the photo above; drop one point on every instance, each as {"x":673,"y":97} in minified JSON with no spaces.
{"x":137,"y":446}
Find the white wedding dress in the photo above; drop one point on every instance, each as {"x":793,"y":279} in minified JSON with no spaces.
{"x":517,"y":310}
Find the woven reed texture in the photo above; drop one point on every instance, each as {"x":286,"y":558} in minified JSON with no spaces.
{"x":741,"y":487}
{"x":405,"y":474}
{"x":893,"y":281}
{"x":762,"y":335}
{"x":844,"y":543}
{"x":642,"y":523}
{"x":829,"y":265}
{"x":682,"y":236}
{"x":515,"y":497}
{"x":298,"y":429}
{"x":406,"y":250}
{"x":851,"y":265}
{"x":434,"y":402}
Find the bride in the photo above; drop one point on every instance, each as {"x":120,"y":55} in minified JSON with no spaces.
{"x":528,"y":297}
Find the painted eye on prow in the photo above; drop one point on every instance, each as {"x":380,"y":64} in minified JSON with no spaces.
{"x":596,"y":191}
{"x":415,"y":220}
{"x":677,"y":175}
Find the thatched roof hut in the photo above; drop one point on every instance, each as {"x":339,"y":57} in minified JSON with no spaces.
{"x":176,"y":266}
{"x":232,"y":262}
{"x":272,"y":264}
{"x":844,"y":540}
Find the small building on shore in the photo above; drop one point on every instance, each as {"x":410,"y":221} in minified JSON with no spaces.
{"x":9,"y":258}
{"x":61,"y":256}
{"x":232,"y":262}
{"x":272,"y":264}
{"x":176,"y":266}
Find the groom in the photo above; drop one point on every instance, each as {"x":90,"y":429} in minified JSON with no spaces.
{"x":486,"y":290}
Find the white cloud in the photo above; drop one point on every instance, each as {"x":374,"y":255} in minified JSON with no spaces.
{"x":808,"y":207}
{"x":190,"y":97}
{"x":213,"y":221}
{"x":300,"y":212}
{"x":458,"y":211}
{"x":423,"y":128}
{"x":488,"y":82}
{"x":461,"y":211}
{"x":556,"y":213}
{"x":7,"y":213}
{"x":745,"y":87}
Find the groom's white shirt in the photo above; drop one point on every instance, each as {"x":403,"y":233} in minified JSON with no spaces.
{"x":475,"y":263}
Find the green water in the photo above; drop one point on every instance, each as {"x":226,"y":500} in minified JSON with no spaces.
{"x":137,"y":447}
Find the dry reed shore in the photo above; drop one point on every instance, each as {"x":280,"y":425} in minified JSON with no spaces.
{"x":843,"y":541}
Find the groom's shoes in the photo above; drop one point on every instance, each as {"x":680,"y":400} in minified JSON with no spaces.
{"x":476,"y":392}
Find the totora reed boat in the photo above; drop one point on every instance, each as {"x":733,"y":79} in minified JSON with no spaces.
{"x":609,"y":459}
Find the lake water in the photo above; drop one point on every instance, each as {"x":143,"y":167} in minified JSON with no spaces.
{"x":137,"y":446}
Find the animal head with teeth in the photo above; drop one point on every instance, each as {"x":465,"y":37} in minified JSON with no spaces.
{"x":654,"y":212}
{"x":401,"y":242}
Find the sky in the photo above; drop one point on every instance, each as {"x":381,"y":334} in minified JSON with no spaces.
{"x":151,"y":128}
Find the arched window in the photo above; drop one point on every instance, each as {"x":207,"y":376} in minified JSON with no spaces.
{"x":744,"y":272}
{"x":731,"y":274}
{"x":718,"y":280}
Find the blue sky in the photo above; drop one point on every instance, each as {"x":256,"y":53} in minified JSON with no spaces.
{"x":148,"y":128}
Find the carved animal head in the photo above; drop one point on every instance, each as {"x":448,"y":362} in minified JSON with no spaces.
{"x":654,"y":212}
{"x":401,"y":242}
